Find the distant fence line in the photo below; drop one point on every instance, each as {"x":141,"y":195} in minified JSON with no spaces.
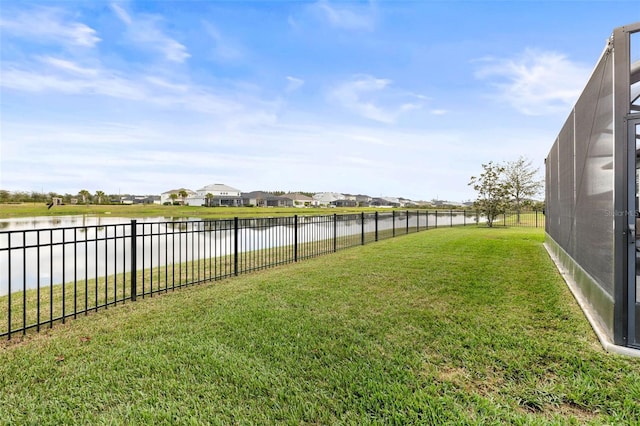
{"x":50,"y":275}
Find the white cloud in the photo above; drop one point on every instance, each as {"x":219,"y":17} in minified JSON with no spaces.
{"x":375,"y":99}
{"x":537,"y":82}
{"x":163,"y":83}
{"x":346,"y":18}
{"x":222,"y":47}
{"x":52,"y":75}
{"x":144,"y":30}
{"x":47,"y":80}
{"x":293,"y":84}
{"x":47,"y":24}
{"x":122,"y":14}
{"x":66,"y":65}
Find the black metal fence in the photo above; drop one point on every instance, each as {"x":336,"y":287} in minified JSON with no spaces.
{"x":50,"y":275}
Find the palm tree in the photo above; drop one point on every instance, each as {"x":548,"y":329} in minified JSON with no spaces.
{"x":173,"y":197}
{"x":99,"y":195}
{"x":84,"y":194}
{"x":183,"y":194}
{"x":209,"y":198}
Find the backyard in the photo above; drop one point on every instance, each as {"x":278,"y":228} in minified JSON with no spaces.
{"x":454,"y":325}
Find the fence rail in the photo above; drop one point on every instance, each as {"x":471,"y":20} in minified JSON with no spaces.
{"x":51,"y":275}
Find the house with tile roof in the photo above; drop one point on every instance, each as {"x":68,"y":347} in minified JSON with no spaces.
{"x":265,"y":199}
{"x":301,"y":200}
{"x":165,"y":197}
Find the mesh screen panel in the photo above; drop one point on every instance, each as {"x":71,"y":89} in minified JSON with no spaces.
{"x":580,"y":215}
{"x":552,"y":206}
{"x":566,"y":195}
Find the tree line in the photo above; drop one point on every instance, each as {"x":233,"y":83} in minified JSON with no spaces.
{"x":99,"y":197}
{"x":82,"y":197}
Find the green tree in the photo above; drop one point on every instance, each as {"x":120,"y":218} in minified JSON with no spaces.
{"x":521,"y":178}
{"x":183,"y":194}
{"x":209,"y":197}
{"x":85,"y":195}
{"x":173,"y":197}
{"x":493,"y":192}
{"x":99,"y":196}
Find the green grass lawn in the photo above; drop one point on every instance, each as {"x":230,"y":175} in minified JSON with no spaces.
{"x":169,"y":212}
{"x":449,"y":326}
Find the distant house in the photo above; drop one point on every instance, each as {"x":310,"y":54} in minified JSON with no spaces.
{"x":385,"y":202}
{"x":326,"y":198}
{"x":344,"y":203}
{"x":407,"y":203}
{"x":219,"y":190}
{"x":140,"y":199}
{"x":265,"y":199}
{"x":165,"y":197}
{"x":301,"y":200}
{"x":217,"y":194}
{"x":363,"y":200}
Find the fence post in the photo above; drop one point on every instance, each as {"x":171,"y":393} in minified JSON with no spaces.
{"x":436,"y":225}
{"x":407,"y":222}
{"x":504,"y":219}
{"x":536,"y":210}
{"x":9,"y":290}
{"x":235,"y":246}
{"x":295,"y":238}
{"x":393,"y":222}
{"x":335,"y":232}
{"x":417,"y":220}
{"x":450,"y":218}
{"x":376,"y":226}
{"x":134,"y":272}
{"x":362,"y":233}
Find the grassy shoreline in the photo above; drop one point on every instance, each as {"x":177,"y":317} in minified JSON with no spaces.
{"x":450,"y":326}
{"x":152,"y":210}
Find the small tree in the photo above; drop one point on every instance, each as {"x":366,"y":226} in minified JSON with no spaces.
{"x":493,"y":192}
{"x":99,"y":196}
{"x":173,"y":197}
{"x":209,"y":198}
{"x":183,"y":194}
{"x":520,"y":176}
{"x":85,"y":195}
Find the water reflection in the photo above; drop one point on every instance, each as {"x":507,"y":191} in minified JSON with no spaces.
{"x":50,"y":250}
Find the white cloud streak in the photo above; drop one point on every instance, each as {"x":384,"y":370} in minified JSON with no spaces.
{"x":222,"y":47}
{"x":144,"y":30}
{"x":537,"y":82}
{"x":46,"y":25}
{"x":51,"y":75}
{"x":345,"y":18}
{"x":293,"y":84}
{"x":375,"y":99}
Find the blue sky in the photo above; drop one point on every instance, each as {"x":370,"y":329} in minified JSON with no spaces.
{"x":402,"y":98}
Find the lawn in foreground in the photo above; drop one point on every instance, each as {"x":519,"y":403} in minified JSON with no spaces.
{"x":459,"y":326}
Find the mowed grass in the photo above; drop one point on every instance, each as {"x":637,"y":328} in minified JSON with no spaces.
{"x":168,"y":212}
{"x":449,"y":326}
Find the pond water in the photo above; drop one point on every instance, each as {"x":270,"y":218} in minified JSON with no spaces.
{"x":42,"y":251}
{"x":52,"y":249}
